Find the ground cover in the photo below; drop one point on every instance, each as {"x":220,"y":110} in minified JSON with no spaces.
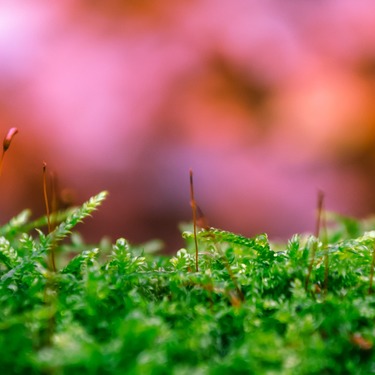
{"x":304,"y":307}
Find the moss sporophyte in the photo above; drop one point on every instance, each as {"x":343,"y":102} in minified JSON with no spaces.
{"x":223,"y":304}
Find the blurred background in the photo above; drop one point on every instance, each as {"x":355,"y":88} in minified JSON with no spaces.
{"x":267,"y":101}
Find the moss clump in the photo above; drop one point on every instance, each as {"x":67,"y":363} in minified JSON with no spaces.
{"x":128,"y":311}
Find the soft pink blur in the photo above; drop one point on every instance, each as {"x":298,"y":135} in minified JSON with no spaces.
{"x":267,"y":102}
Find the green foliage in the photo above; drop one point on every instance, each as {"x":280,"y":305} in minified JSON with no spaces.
{"x":123,"y":309}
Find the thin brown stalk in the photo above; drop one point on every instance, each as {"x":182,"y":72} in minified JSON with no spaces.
{"x":317,"y":234}
{"x":45,"y":194}
{"x":194,"y":208}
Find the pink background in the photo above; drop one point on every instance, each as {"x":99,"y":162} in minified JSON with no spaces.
{"x":268,"y":101}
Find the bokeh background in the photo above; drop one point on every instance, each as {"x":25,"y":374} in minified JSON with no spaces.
{"x":267,"y":101}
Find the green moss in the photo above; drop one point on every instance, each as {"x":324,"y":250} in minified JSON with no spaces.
{"x":131,"y":311}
